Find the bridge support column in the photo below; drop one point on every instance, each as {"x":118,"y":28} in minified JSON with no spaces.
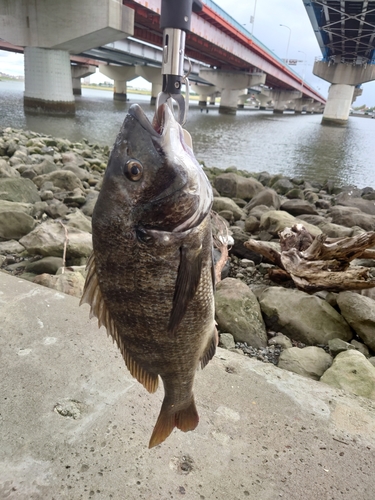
{"x":343,"y":78}
{"x":282,"y":97}
{"x":204,"y":91}
{"x":242,"y":98}
{"x":264,"y":99}
{"x":48,"y":81}
{"x":230,"y":84}
{"x":152,"y":75}
{"x":79,"y":72}
{"x":120,"y":75}
{"x":302,"y":104}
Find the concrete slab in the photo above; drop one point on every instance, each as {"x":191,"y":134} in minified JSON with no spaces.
{"x":75,"y":425}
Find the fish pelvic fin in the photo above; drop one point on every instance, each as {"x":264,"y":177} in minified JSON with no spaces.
{"x":210,"y":349}
{"x":188,"y":277}
{"x":186,"y":420}
{"x":92,"y":295}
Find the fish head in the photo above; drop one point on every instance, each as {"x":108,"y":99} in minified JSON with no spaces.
{"x":152,"y":178}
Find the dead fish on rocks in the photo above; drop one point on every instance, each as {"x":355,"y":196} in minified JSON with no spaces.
{"x":150,"y":277}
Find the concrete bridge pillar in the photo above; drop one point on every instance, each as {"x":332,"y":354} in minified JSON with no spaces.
{"x":264,"y":98}
{"x":231,"y":84}
{"x":78,"y":72}
{"x":48,"y":81}
{"x":152,"y":75}
{"x":302,"y":104}
{"x":204,"y":91}
{"x":120,"y":75}
{"x":242,"y":98}
{"x":343,"y":78}
{"x":281,"y":99}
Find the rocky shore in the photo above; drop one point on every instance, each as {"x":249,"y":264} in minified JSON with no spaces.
{"x":48,"y":189}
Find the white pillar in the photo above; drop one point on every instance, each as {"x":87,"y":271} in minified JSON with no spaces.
{"x":302,"y":104}
{"x":203,"y":92}
{"x":283,"y":97}
{"x":152,"y":75}
{"x":120,"y":75}
{"x":340,"y":97}
{"x":48,"y":81}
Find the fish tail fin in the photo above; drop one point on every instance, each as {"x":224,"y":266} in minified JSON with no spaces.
{"x":186,"y":420}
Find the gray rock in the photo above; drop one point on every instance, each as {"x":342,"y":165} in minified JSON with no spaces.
{"x":63,"y":179}
{"x":18,"y":189}
{"x":7,"y":171}
{"x":277,"y":220}
{"x":237,"y":312}
{"x":78,"y":220}
{"x":69,"y":283}
{"x":337,"y":345}
{"x":267,"y":197}
{"x":222,"y":203}
{"x":351,"y":216}
{"x":282,"y":340}
{"x":361,"y":348}
{"x":372,"y":360}
{"x":251,"y":224}
{"x":45,"y":167}
{"x":89,"y":205}
{"x":359,"y":312}
{"x":298,"y":207}
{"x":239,"y":249}
{"x":352,"y":372}
{"x":48,"y":265}
{"x":81,"y":173}
{"x":282,"y":185}
{"x":56,"y":209}
{"x":295,"y":194}
{"x":226,"y":340}
{"x":48,"y":239}
{"x":335,"y":230}
{"x":235,"y":186}
{"x":310,"y":362}
{"x":302,"y":317}
{"x":349,"y":200}
{"x":11,"y":247}
{"x":14,"y":225}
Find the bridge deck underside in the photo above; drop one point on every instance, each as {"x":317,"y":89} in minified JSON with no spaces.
{"x":345,"y":29}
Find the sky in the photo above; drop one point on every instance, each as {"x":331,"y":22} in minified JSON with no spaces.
{"x":269,"y":14}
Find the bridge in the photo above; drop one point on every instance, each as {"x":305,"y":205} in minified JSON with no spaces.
{"x":225,"y":55}
{"x":345,"y":31}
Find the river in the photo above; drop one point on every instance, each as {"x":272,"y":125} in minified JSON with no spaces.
{"x":293,"y":145}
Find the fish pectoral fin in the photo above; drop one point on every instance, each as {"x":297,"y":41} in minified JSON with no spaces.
{"x":188,"y":276}
{"x":92,"y":295}
{"x":210,"y":350}
{"x":186,"y":420}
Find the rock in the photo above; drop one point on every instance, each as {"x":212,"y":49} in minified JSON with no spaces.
{"x":78,"y":220}
{"x":88,"y":207}
{"x":48,"y":239}
{"x":277,"y":220}
{"x":239,"y":249}
{"x":372,"y":360}
{"x":298,"y":207}
{"x":19,"y":190}
{"x":226,"y":340}
{"x":237,"y":312}
{"x":7,"y":171}
{"x":14,"y":225}
{"x":235,"y":186}
{"x":282,"y":185}
{"x":251,"y":224}
{"x":352,"y":372}
{"x":69,"y":283}
{"x":337,"y":345}
{"x":56,"y":209}
{"x":63,"y":179}
{"x":81,"y":173}
{"x":348,"y":200}
{"x":45,"y":167}
{"x":282,"y":340}
{"x":13,"y":206}
{"x":223,"y":203}
{"x":361,"y":348}
{"x":302,"y":317}
{"x":267,"y":197}
{"x":48,"y":265}
{"x":335,"y":230}
{"x":295,"y":194}
{"x":11,"y":247}
{"x":359,"y":312}
{"x":351,"y":216}
{"x":310,"y":362}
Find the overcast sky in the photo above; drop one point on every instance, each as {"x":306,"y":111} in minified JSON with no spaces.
{"x":268,"y":17}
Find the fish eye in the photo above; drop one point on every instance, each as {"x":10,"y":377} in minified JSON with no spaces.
{"x":133,"y":170}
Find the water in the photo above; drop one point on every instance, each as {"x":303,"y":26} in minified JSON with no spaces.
{"x":293,"y":145}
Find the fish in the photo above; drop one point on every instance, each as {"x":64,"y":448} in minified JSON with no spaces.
{"x":150,"y":278}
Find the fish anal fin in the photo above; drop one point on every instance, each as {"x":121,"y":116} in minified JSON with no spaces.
{"x":210,"y":350}
{"x":188,"y":276}
{"x":186,"y":420}
{"x":92,"y":295}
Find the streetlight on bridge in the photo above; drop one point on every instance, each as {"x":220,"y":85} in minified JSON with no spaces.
{"x":287,"y":47}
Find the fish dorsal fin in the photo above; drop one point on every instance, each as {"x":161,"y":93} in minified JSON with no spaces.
{"x":188,"y":276}
{"x":92,"y":295}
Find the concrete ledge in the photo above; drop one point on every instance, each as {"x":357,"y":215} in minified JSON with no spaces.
{"x":74,"y":424}
{"x":333,"y":121}
{"x":49,"y":107}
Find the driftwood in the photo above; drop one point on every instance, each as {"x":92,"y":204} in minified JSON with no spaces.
{"x":319,"y":263}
